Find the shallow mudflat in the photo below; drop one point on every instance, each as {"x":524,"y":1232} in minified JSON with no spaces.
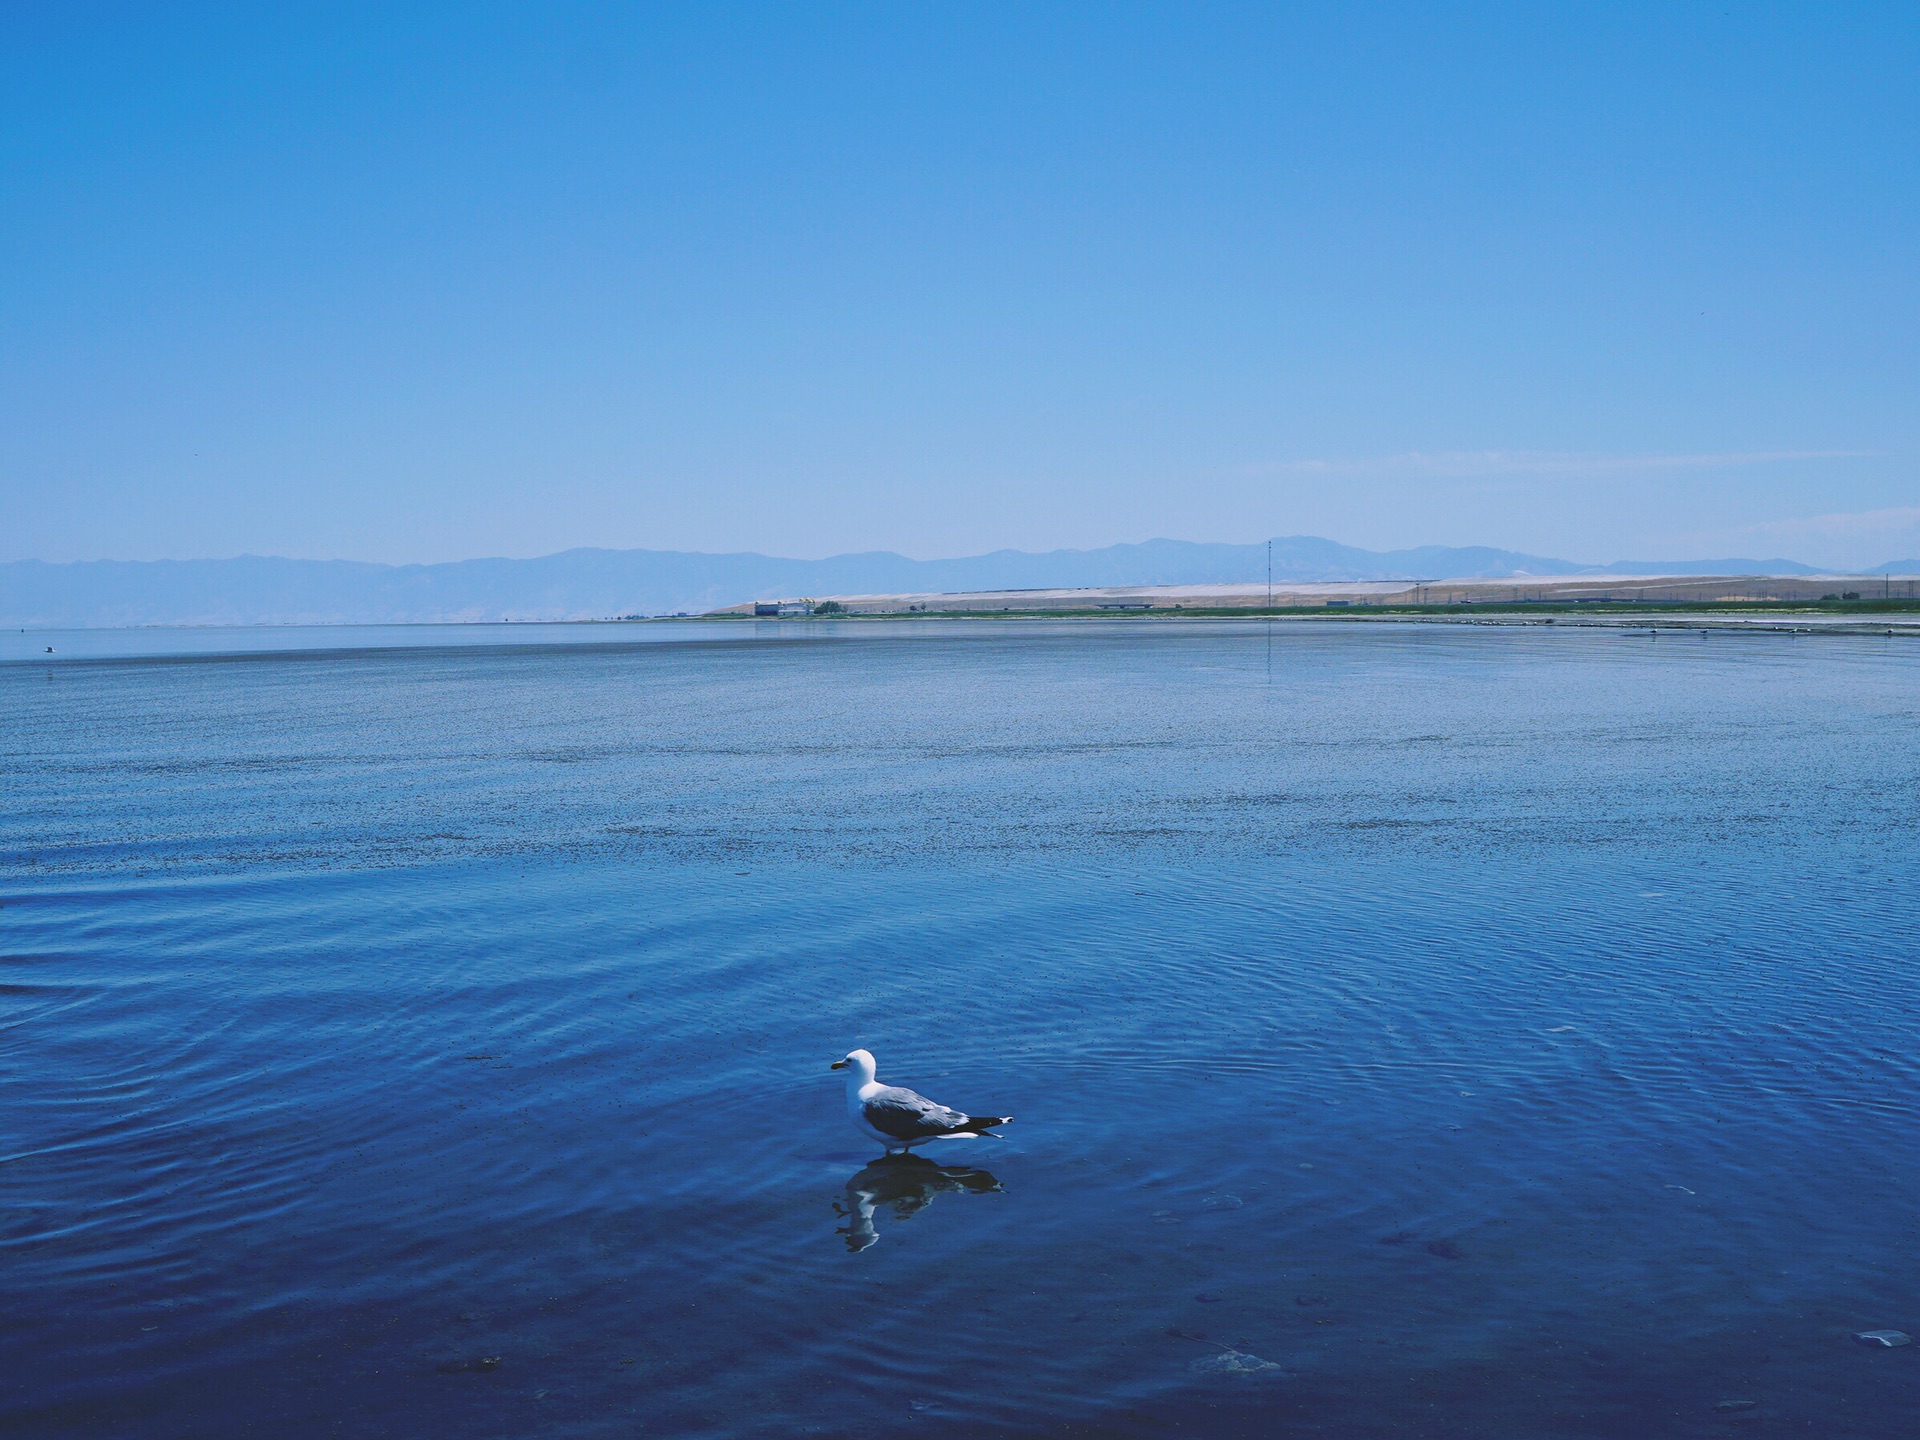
{"x":1410,"y":1031}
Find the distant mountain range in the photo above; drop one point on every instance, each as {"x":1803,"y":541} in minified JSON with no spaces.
{"x":594,"y":584}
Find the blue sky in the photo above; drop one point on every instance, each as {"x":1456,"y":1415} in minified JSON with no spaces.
{"x":419,"y":282}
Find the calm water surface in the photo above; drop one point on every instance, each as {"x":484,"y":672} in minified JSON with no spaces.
{"x":1412,"y":1031}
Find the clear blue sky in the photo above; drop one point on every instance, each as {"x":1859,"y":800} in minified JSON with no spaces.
{"x":428,"y":281}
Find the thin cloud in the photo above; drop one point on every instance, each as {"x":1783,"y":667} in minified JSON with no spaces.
{"x":1472,"y":464}
{"x":1843,"y":541}
{"x":1842,"y":525}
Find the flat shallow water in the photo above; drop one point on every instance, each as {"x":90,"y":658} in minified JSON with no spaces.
{"x":1410,"y":1031}
{"x":203,"y":641}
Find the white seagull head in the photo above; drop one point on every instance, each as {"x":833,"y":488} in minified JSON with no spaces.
{"x":860,"y":1063}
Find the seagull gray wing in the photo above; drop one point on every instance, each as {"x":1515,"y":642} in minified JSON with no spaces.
{"x":899,"y":1112}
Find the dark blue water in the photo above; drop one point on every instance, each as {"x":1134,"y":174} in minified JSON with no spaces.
{"x":1410,"y":1031}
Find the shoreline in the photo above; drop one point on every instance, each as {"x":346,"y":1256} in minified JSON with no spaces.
{"x":173,"y":644}
{"x":1845,"y":618}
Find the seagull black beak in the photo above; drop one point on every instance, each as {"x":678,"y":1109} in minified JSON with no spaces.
{"x":838,"y":1065}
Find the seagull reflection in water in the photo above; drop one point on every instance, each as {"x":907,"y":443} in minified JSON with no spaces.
{"x":907,"y":1184}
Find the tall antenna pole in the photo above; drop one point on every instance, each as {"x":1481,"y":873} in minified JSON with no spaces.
{"x":1269,"y":574}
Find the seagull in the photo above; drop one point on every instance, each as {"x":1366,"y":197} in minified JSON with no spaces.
{"x":897,"y":1117}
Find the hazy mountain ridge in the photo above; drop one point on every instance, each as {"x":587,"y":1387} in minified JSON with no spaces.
{"x":595,"y":583}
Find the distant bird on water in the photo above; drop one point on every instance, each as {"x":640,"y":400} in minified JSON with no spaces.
{"x":897,"y":1117}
